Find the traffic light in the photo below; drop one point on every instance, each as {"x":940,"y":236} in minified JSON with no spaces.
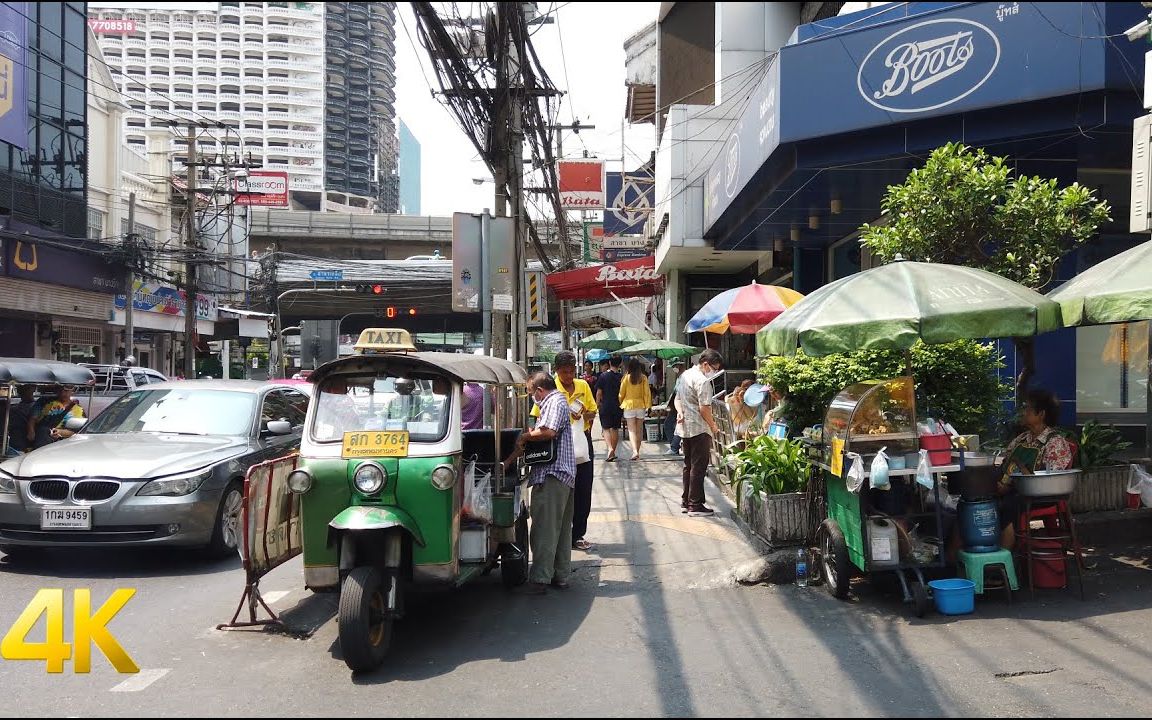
{"x":369,"y":289}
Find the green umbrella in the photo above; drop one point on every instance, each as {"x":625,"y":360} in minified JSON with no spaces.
{"x":1116,"y":290}
{"x":616,"y":338}
{"x":894,"y":305}
{"x":665,"y":349}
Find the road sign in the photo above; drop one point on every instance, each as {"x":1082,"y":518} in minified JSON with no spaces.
{"x":333,"y":275}
{"x":536,"y":303}
{"x":467,"y":265}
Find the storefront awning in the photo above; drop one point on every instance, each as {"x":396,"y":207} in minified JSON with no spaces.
{"x":624,"y":279}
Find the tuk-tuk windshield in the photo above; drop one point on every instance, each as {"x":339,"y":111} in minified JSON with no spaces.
{"x":417,"y":403}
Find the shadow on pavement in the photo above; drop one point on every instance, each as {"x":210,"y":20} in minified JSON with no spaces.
{"x":113,"y":563}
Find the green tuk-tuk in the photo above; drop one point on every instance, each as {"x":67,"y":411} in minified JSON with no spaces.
{"x":383,"y":486}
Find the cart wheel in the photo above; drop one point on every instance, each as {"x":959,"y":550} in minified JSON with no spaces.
{"x":835,"y":565}
{"x":514,"y":558}
{"x":920,"y":599}
{"x":365,"y":621}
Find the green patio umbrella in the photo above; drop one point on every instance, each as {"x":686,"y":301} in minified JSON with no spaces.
{"x":892,"y":306}
{"x":1116,"y":290}
{"x":665,"y":349}
{"x":616,"y":338}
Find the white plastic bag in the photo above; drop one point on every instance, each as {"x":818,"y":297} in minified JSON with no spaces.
{"x":879,"y":472}
{"x":924,"y":474}
{"x":469,"y":479}
{"x":482,"y":497}
{"x":580,"y":442}
{"x":1140,"y":483}
{"x":855,"y":477}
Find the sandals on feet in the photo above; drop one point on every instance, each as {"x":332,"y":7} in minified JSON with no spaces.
{"x":582,"y":544}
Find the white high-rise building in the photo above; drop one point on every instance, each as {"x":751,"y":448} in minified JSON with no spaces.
{"x":257,"y":67}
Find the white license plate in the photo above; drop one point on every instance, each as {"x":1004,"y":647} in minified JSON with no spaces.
{"x":66,"y":518}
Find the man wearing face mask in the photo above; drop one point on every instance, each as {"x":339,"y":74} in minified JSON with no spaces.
{"x":695,"y":394}
{"x":552,"y":489}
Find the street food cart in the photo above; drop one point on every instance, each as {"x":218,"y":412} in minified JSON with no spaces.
{"x":871,"y":529}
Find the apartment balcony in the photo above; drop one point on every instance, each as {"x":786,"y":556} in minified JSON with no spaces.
{"x":135,"y":43}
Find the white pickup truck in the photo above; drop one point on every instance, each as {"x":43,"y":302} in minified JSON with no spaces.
{"x":112,"y":381}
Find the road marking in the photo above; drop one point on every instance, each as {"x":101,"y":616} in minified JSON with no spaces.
{"x":141,"y":680}
{"x":273,"y":596}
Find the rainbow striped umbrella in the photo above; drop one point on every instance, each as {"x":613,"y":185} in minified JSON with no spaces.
{"x":743,"y":310}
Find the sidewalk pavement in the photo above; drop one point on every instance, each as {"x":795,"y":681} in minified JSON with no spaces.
{"x":636,"y":527}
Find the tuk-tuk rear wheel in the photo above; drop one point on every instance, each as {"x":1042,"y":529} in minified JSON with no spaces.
{"x":364,"y":619}
{"x":513,"y":567}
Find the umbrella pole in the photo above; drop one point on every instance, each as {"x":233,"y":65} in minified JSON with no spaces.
{"x":908,"y":362}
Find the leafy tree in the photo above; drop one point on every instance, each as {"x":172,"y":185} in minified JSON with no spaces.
{"x":959,"y":377}
{"x":966,"y":207}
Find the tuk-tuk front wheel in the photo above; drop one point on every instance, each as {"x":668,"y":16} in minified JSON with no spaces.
{"x":365,"y":619}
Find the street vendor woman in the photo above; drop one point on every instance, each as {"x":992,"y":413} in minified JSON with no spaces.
{"x":1040,"y":447}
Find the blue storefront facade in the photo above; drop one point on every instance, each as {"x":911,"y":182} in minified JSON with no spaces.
{"x":851,"y":104}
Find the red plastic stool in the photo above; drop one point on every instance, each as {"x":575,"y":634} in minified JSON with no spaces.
{"x":1058,"y":539}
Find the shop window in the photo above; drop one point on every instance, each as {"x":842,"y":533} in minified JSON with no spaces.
{"x":1112,"y":368}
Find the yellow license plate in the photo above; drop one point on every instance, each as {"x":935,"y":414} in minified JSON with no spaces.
{"x":375,"y":444}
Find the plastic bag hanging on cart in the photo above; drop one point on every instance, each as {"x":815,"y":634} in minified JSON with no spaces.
{"x":924,"y":474}
{"x":878,"y":476}
{"x":482,"y":497}
{"x":468,"y":479}
{"x":855,"y":477}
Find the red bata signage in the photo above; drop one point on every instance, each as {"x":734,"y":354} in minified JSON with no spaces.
{"x":267,"y":188}
{"x":581,"y":184}
{"x":627,"y":278}
{"x":112,"y":27}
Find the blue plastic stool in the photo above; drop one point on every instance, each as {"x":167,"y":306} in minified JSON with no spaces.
{"x":975,"y":564}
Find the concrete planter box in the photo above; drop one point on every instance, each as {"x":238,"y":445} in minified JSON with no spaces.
{"x":778,"y":519}
{"x":1102,"y":488}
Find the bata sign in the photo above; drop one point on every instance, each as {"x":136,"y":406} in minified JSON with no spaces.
{"x":611,"y":273}
{"x":929,"y":65}
{"x":581,"y":184}
{"x":262,"y":187}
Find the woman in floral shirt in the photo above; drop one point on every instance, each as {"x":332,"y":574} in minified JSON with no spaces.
{"x":1040,"y":447}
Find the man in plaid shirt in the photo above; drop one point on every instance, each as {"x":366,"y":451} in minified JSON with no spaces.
{"x":552,"y":485}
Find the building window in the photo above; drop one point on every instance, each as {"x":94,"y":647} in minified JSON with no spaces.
{"x":96,"y":223}
{"x":144,"y":234}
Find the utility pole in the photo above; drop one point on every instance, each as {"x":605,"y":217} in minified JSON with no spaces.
{"x":190,"y":244}
{"x":130,"y":279}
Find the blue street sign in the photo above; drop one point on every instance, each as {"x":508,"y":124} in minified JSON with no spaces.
{"x":333,"y":275}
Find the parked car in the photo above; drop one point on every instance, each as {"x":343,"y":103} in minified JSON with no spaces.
{"x":113,"y":381}
{"x":163,"y":465}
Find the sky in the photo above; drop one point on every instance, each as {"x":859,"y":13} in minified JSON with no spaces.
{"x":583,"y":52}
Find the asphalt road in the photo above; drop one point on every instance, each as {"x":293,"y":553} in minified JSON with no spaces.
{"x":654,"y":624}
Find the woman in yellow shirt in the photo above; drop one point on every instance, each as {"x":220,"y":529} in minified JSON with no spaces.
{"x":635,"y":400}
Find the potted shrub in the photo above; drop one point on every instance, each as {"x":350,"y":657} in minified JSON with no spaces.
{"x":1104,"y":480}
{"x":769,"y":480}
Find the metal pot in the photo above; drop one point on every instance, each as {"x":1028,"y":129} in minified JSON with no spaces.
{"x":1046,"y":483}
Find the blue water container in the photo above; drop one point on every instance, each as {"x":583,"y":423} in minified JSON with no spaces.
{"x":979,"y":525}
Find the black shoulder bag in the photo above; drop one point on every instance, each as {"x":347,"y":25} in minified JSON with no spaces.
{"x":540,"y":452}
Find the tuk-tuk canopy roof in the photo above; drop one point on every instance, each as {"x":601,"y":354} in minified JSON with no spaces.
{"x":464,"y":368}
{"x":31,"y":370}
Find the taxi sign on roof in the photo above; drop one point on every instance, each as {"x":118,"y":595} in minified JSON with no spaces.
{"x":379,"y":340}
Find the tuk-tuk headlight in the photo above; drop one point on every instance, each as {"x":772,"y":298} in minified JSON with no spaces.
{"x":300,"y":481}
{"x":443,"y":477}
{"x":369,"y":478}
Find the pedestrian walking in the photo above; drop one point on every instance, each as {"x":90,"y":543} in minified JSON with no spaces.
{"x":699,"y":428}
{"x":608,"y":400}
{"x":635,"y":400}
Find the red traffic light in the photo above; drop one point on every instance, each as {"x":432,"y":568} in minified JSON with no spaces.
{"x":377,"y":289}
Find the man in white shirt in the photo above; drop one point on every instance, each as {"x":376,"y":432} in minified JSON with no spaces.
{"x":695,"y":395}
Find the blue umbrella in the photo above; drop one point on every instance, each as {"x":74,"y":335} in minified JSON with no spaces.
{"x":596,"y":355}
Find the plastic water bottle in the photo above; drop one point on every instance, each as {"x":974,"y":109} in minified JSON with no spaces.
{"x":801,"y":567}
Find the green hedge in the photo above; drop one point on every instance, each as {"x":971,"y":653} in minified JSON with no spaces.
{"x":954,"y":381}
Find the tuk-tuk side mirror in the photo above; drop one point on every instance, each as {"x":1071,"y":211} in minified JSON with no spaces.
{"x":75,"y":424}
{"x":279,"y":427}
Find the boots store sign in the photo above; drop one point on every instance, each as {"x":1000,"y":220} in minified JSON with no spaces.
{"x":954,"y":60}
{"x":929,"y":65}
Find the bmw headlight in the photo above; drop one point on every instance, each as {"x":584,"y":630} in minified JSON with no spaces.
{"x":443,"y":477}
{"x":369,"y":478}
{"x":299,"y":481}
{"x":175,"y":486}
{"x":7,"y":483}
